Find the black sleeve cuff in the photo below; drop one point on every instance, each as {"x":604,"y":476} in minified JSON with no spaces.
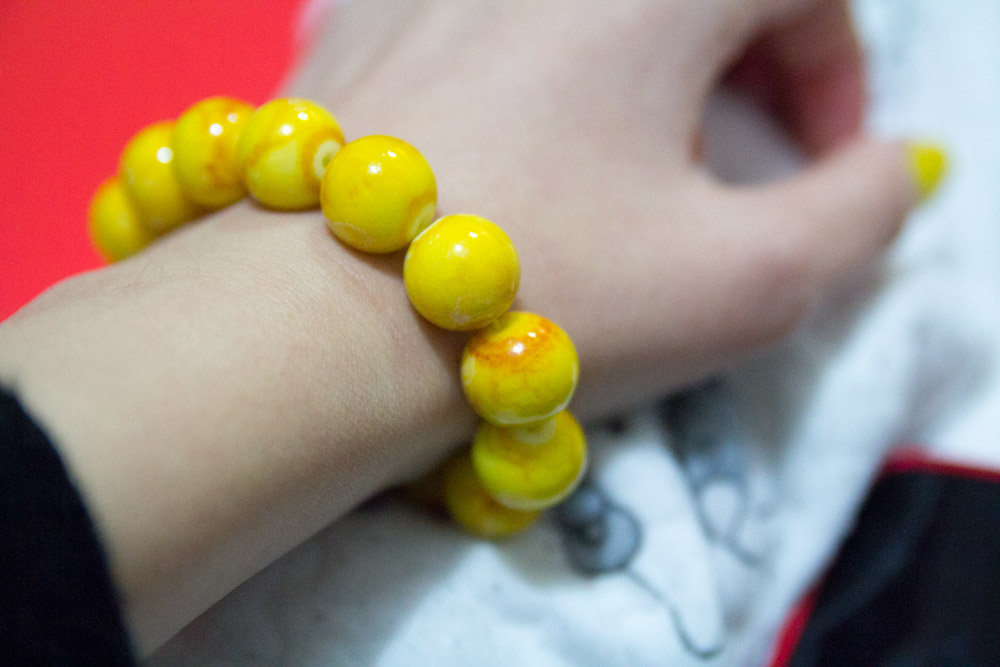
{"x":57,"y":603}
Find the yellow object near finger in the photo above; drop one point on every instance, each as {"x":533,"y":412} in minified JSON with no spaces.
{"x":378,"y":193}
{"x":928,"y":166}
{"x":530,"y":468}
{"x":146,"y":172}
{"x":472,"y":507}
{"x":283,"y":151}
{"x":461,"y":272}
{"x":114,"y":224}
{"x":204,"y":143}
{"x":520,"y":369}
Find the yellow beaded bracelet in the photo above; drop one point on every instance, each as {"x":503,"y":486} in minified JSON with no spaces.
{"x":378,"y":194}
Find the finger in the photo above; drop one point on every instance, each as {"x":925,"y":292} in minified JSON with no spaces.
{"x":800,"y":237}
{"x":809,"y":70}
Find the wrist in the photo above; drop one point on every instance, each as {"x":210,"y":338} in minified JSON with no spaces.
{"x":308,"y":385}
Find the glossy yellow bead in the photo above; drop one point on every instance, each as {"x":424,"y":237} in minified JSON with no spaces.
{"x":204,"y":142}
{"x":530,"y":468}
{"x":378,"y":193}
{"x":283,"y":151}
{"x":113,"y":223}
{"x":520,"y":369}
{"x":472,"y":507}
{"x":461,"y":272}
{"x":147,"y":174}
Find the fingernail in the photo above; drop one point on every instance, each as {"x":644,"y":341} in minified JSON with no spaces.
{"x":928,"y":164}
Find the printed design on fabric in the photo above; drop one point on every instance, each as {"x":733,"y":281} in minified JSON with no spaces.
{"x":713,"y":448}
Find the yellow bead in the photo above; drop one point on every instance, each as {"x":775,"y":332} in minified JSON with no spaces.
{"x":530,"y":468}
{"x":113,"y":223}
{"x":283,"y":151}
{"x":204,"y":142}
{"x":520,"y":369}
{"x":378,"y":193}
{"x":147,"y":174}
{"x":461,"y":272}
{"x":472,"y":507}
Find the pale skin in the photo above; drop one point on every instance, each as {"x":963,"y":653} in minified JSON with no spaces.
{"x":246,"y":380}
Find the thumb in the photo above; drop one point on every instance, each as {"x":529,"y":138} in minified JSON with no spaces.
{"x":844,"y":210}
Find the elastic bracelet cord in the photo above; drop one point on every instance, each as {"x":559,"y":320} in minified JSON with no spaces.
{"x":461,"y":272}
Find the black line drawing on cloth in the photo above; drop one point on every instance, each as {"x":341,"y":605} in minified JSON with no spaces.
{"x":675,"y":617}
{"x":712,"y":447}
{"x":598,"y":535}
{"x":601,"y":537}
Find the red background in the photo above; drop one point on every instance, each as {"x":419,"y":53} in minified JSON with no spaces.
{"x":79,"y":78}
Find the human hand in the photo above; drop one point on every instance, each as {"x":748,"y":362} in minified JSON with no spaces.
{"x":246,"y":380}
{"x":575,"y":126}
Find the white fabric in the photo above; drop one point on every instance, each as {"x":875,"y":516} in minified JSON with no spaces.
{"x":732,"y":536}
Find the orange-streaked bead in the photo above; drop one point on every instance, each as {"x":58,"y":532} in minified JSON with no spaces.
{"x":530,"y":468}
{"x":283,"y":151}
{"x":114,"y":224}
{"x":378,"y":193}
{"x":461,"y":272}
{"x":472,"y":507}
{"x":521,"y":369}
{"x":204,"y":142}
{"x":147,"y":174}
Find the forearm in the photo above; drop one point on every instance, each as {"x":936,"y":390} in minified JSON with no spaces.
{"x":209,"y":426}
{"x":245,"y":381}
